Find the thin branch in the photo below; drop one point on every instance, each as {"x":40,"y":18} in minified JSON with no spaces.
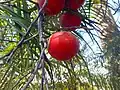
{"x":50,"y":73}
{"x":30,"y":38}
{"x":43,"y":75}
{"x":87,"y":69}
{"x":38,"y":66}
{"x":5,"y":76}
{"x":46,"y":82}
{"x":43,"y":45}
{"x":40,"y":31}
{"x":41,"y":59}
{"x":20,"y":80}
{"x":23,"y":38}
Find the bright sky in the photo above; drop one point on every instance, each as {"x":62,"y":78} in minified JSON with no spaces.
{"x":116,"y":16}
{"x":115,"y":6}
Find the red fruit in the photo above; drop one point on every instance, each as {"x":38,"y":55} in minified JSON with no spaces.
{"x":74,"y":4}
{"x":70,"y":20}
{"x":63,"y":45}
{"x":53,"y":7}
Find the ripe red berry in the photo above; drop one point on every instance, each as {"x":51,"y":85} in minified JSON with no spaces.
{"x":63,"y":45}
{"x":74,"y":4}
{"x":70,"y":20}
{"x":53,"y":7}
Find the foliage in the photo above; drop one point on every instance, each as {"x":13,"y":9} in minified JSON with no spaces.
{"x":20,"y":51}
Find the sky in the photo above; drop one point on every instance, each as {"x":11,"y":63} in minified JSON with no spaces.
{"x":115,"y":4}
{"x":102,"y":70}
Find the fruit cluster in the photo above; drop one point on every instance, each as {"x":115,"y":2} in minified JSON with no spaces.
{"x":63,"y":45}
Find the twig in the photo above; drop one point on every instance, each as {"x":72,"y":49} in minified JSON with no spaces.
{"x":20,"y":80}
{"x":43,"y":74}
{"x":51,"y":73}
{"x":46,"y":82}
{"x":28,"y":31}
{"x":30,"y":38}
{"x":40,"y":31}
{"x":5,"y":75}
{"x":34,"y":72}
{"x":43,"y":45}
{"x":41,"y":59}
{"x":26,"y":40}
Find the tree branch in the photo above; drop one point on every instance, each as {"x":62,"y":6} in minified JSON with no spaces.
{"x":23,"y":38}
{"x":40,"y":63}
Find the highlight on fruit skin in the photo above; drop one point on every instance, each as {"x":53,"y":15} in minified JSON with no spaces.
{"x":70,"y":21}
{"x":74,"y":4}
{"x":63,"y":45}
{"x":53,"y":7}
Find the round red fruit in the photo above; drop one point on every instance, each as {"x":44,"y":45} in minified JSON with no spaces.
{"x":70,"y":21}
{"x":53,"y":7}
{"x":74,"y":4}
{"x":63,"y":45}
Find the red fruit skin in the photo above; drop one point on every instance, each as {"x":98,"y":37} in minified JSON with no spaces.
{"x":53,"y":7}
{"x":74,"y":4}
{"x":70,"y":20}
{"x":63,"y":45}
